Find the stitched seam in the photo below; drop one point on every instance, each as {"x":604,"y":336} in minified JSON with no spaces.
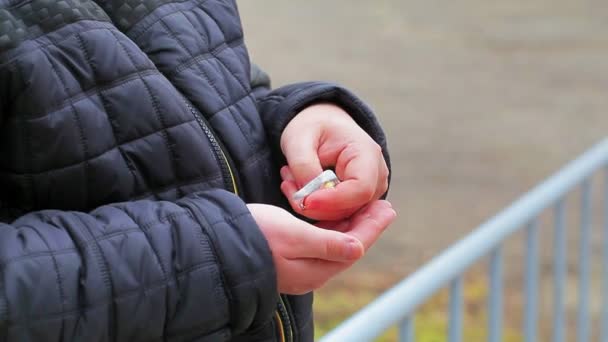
{"x":104,"y":268}
{"x":85,"y":244}
{"x":247,"y":93}
{"x":183,"y":184}
{"x":145,"y":231}
{"x":153,"y":286}
{"x":26,"y":174}
{"x":123,"y":155}
{"x":84,"y":94}
{"x":202,"y":180}
{"x":33,"y":37}
{"x":203,"y":73}
{"x":247,"y":90}
{"x":235,"y":102}
{"x":40,"y":45}
{"x":222,"y":291}
{"x":232,"y":73}
{"x":164,"y":134}
{"x":168,"y":30}
{"x":81,"y":135}
{"x":79,"y":124}
{"x":196,"y":58}
{"x":144,"y":30}
{"x":229,"y":219}
{"x":18,"y":3}
{"x":60,"y":288}
{"x":26,"y":133}
{"x":159,"y":115}
{"x":108,"y":111}
{"x":170,"y":218}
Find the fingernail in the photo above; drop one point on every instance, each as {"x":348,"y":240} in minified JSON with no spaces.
{"x":306,"y":203}
{"x":353,"y":249}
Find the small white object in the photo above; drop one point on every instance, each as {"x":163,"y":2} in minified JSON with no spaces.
{"x":327,"y":179}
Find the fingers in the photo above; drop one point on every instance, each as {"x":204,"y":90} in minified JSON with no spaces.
{"x":359,"y":181}
{"x":367,"y":224}
{"x":350,"y":238}
{"x":383,"y":174}
{"x":314,"y":243}
{"x":289,"y":189}
{"x":337,"y":225}
{"x":301,"y":155}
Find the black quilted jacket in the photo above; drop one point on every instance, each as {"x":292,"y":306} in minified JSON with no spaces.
{"x":131,"y":136}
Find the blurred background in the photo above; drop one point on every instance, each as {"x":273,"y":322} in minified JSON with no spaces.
{"x":480,"y":101}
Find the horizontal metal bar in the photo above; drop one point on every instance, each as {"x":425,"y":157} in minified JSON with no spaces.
{"x":401,"y":300}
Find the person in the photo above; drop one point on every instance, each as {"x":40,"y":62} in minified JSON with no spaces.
{"x":147,"y":175}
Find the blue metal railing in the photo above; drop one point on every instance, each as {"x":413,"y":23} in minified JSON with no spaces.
{"x":398,"y":305}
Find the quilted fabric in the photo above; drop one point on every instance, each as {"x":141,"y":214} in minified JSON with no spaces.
{"x":27,"y":20}
{"x":124,"y":127}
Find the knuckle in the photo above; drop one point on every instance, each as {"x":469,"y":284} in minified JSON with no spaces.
{"x":377,"y":148}
{"x":366,"y":192}
{"x":331,"y":249}
{"x":352,"y":150}
{"x":384,"y":168}
{"x":384,"y":185}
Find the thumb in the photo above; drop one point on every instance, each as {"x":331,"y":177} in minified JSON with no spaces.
{"x":329,"y":245}
{"x":302,"y":157}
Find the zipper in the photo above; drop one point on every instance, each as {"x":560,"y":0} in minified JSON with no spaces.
{"x":284,"y":322}
{"x":230,"y":182}
{"x":229,"y":177}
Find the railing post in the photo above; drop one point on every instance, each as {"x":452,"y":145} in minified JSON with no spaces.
{"x":604,"y":319}
{"x":455,"y":319}
{"x":495,"y":322}
{"x":559,"y":327}
{"x":406,"y":330}
{"x":584,"y":255}
{"x":531,"y":280}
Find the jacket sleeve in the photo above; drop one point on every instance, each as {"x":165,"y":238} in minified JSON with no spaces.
{"x":137,"y":271}
{"x":277,"y":107}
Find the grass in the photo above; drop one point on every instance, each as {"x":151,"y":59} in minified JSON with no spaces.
{"x":337,"y":302}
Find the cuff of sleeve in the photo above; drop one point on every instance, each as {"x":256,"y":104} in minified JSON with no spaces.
{"x":243,"y":254}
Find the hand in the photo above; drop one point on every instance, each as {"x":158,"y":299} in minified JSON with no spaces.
{"x":306,"y":256}
{"x":323,"y":136}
